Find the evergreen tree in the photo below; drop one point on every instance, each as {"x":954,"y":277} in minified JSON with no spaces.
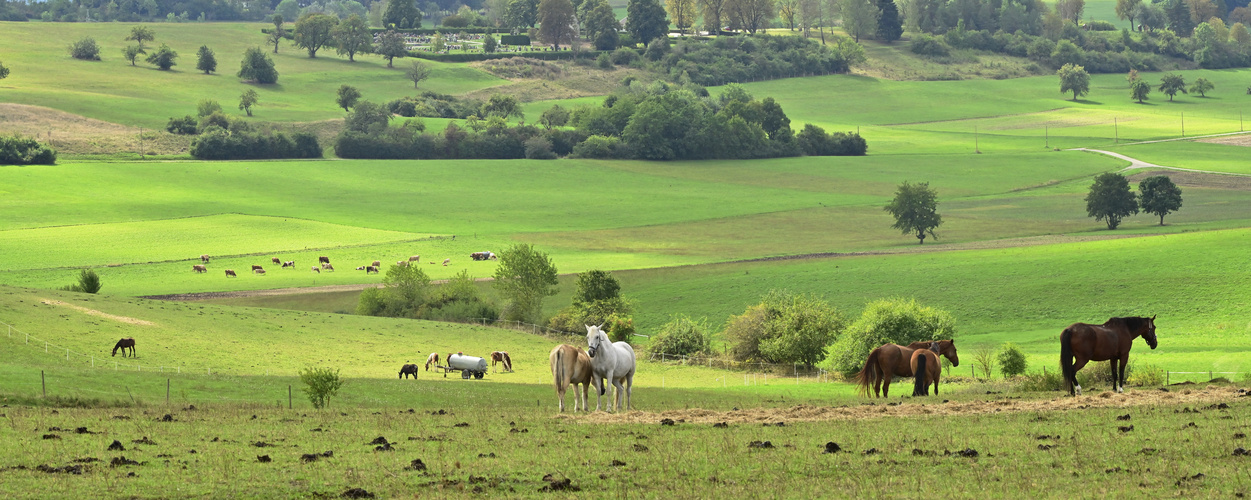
{"x":1178,"y":14}
{"x":889,"y":26}
{"x":601,"y":25}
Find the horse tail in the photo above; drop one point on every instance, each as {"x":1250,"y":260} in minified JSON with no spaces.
{"x":1066,"y":360}
{"x":559,"y":372}
{"x":919,"y":385}
{"x":865,"y":378}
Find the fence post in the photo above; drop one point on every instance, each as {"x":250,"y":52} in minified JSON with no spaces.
{"x":1166,"y":374}
{"x":43,"y":382}
{"x":167,"y":392}
{"x":288,"y":396}
{"x":67,"y":354}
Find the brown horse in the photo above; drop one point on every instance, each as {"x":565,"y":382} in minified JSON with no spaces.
{"x":571,"y":366}
{"x":123,"y":344}
{"x":892,"y":360}
{"x":926,"y":370}
{"x":502,"y":357}
{"x":1107,"y":342}
{"x":432,"y":359}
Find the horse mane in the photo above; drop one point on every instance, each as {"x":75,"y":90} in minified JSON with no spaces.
{"x":1132,"y":323}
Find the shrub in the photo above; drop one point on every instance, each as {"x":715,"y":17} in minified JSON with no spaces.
{"x":85,"y":49}
{"x":1145,"y":375}
{"x":21,"y":150}
{"x":215,"y":119}
{"x":207,"y":107}
{"x":539,"y":148}
{"x":163,"y":57}
{"x":604,"y":61}
{"x":682,"y":336}
{"x":458,"y":300}
{"x":1100,"y":372}
{"x":984,"y":361}
{"x":1100,"y":25}
{"x":522,"y":40}
{"x":1011,"y":360}
{"x":814,"y":141}
{"x":789,"y":328}
{"x":322,"y":383}
{"x":218,"y":144}
{"x":257,"y":66}
{"x":182,"y":126}
{"x":1042,"y":382}
{"x":892,"y":320}
{"x":624,"y":56}
{"x":598,"y":146}
{"x":88,"y":282}
{"x":620,"y":328}
{"x":929,"y":46}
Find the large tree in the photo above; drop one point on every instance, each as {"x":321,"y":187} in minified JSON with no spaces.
{"x":1178,"y":14}
{"x":682,"y":12}
{"x":601,"y":25}
{"x":750,"y":15}
{"x":889,"y":25}
{"x":1139,"y":90}
{"x":787,"y":10}
{"x":163,"y":57}
{"x":256,"y":66}
{"x":1110,"y":199}
{"x":1202,"y":86}
{"x":314,"y":31}
{"x":391,"y":45}
{"x":352,"y":37}
{"x":1075,"y":79}
{"x":347,"y":97}
{"x":915,"y":209}
{"x":206,"y":61}
{"x":522,"y":13}
{"x":1171,"y":84}
{"x":1159,"y":196}
{"x":402,"y":14}
{"x":1127,"y":9}
{"x":524,"y":277}
{"x":279,"y":32}
{"x":141,"y":34}
{"x":557,"y":22}
{"x":713,"y":14}
{"x":859,"y":17}
{"x":646,"y":20}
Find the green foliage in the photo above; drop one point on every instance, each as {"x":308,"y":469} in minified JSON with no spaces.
{"x":1171,"y":84}
{"x":367,"y":117}
{"x":601,"y":25}
{"x":1139,"y":90}
{"x":1202,"y":86}
{"x":518,"y":40}
{"x":814,"y":141}
{"x":132,"y":52}
{"x":1074,"y":79}
{"x":984,"y":361}
{"x":215,"y":143}
{"x":889,"y":24}
{"x":892,"y":320}
{"x":279,"y":33}
{"x":1145,"y":375}
{"x":785,"y":328}
{"x":682,"y":336}
{"x":214,"y":119}
{"x":859,"y":17}
{"x":417,"y":72}
{"x":1099,"y":25}
{"x":624,"y":56}
{"x":141,"y":34}
{"x":248,"y":99}
{"x":163,"y":57}
{"x":489,"y":44}
{"x":749,"y":58}
{"x":207,"y":107}
{"x":1042,"y":382}
{"x":915,"y":209}
{"x":539,"y":148}
{"x":1158,"y":196}
{"x":404,"y":292}
{"x":182,"y":126}
{"x":555,"y":116}
{"x":256,"y":66}
{"x":321,"y":384}
{"x":557,"y":22}
{"x":458,"y":300}
{"x":85,"y":49}
{"x":503,"y":106}
{"x":595,"y":285}
{"x":1011,"y":360}
{"x":604,"y":61}
{"x":402,"y":14}
{"x":599,"y":146}
{"x":19,"y":150}
{"x":1110,"y":199}
{"x":927,"y":45}
{"x":352,"y":36}
{"x":391,"y":45}
{"x":88,"y":282}
{"x":205,"y":60}
{"x":521,"y":13}
{"x":524,"y":276}
{"x":314,"y":31}
{"x":347,"y":97}
{"x":646,"y":19}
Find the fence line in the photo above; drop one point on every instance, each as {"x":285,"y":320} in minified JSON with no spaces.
{"x":102,"y":362}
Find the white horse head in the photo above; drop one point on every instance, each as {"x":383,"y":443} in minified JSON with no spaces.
{"x":596,"y":339}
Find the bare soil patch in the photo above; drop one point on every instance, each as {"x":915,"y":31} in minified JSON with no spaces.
{"x":1232,"y":140}
{"x":93,"y":312}
{"x":74,"y":134}
{"x":913,"y":408}
{"x":1198,"y":179}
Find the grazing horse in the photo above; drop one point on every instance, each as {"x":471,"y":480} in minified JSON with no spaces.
{"x":204,"y":258}
{"x":230,"y":273}
{"x":275,"y":260}
{"x":502,"y":357}
{"x":323,"y":260}
{"x":613,"y":363}
{"x":432,"y":359}
{"x":571,"y":366}
{"x":199,"y":268}
{"x":409,"y":369}
{"x":123,"y":344}
{"x":925,"y":369}
{"x":1107,"y":342}
{"x":892,"y":360}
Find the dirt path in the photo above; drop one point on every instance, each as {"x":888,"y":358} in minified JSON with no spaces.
{"x":1178,"y":395}
{"x":93,"y":312}
{"x":1135,"y":163}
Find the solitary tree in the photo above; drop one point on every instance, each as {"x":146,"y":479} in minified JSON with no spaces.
{"x":322,"y":383}
{"x":1171,"y":84}
{"x":141,"y":34}
{"x":257,"y":67}
{"x":601,"y":25}
{"x":418,"y":72}
{"x":1125,"y":9}
{"x":1159,"y":196}
{"x":163,"y":58}
{"x":524,"y":276}
{"x":859,"y":17}
{"x":247,"y":100}
{"x":1202,"y":86}
{"x":1110,"y":199}
{"x":85,"y":49}
{"x":4,"y":72}
{"x":557,"y":22}
{"x":1139,"y":90}
{"x":556,"y":116}
{"x":279,"y":31}
{"x":132,"y":52}
{"x":352,"y":37}
{"x":646,"y":20}
{"x":206,"y":61}
{"x":1075,"y":79}
{"x":489,"y":44}
{"x":915,"y":209}
{"x":314,"y":31}
{"x":889,"y":25}
{"x":348,"y":95}
{"x":391,"y":45}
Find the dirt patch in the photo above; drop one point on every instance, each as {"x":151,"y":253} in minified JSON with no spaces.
{"x":1232,"y":140}
{"x":806,"y":413}
{"x":1197,"y":179}
{"x":74,"y":134}
{"x":93,"y":312}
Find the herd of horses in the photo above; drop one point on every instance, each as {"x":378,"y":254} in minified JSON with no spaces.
{"x":500,"y":358}
{"x":323,"y":264}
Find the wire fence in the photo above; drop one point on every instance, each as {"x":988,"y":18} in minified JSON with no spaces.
{"x":22,"y":337}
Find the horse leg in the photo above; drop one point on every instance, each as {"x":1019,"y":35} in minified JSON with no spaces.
{"x":610,"y":383}
{"x":1124,"y":364}
{"x":1078,"y":364}
{"x":629,"y":391}
{"x":886,"y":385}
{"x":1116,"y":378}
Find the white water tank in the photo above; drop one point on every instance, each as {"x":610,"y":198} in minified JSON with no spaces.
{"x":468,"y":365}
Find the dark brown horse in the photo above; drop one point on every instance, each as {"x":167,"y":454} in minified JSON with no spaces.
{"x":123,"y":344}
{"x":502,"y":357}
{"x":892,"y":360}
{"x":408,"y":370}
{"x":926,"y":370}
{"x":1107,"y":342}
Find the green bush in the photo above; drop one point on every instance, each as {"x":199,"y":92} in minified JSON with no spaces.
{"x":620,"y":328}
{"x":19,"y":150}
{"x":88,"y":282}
{"x":85,"y":49}
{"x":624,"y":56}
{"x":814,"y":141}
{"x":403,"y":294}
{"x":218,"y":144}
{"x":1145,"y":375}
{"x":1100,"y":372}
{"x":186,"y":125}
{"x":1042,"y":382}
{"x":604,"y":61}
{"x":892,"y":320}
{"x":322,"y":383}
{"x":1011,"y":360}
{"x":785,"y":328}
{"x":598,"y":146}
{"x":682,"y":336}
{"x":519,"y":40}
{"x":1100,"y":25}
{"x":207,"y":107}
{"x":539,"y":148}
{"x":927,"y":45}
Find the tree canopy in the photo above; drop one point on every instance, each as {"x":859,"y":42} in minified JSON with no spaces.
{"x":163,"y":57}
{"x":1110,"y":199}
{"x":314,"y":31}
{"x":646,"y":20}
{"x":352,"y":36}
{"x":1171,"y":84}
{"x":248,"y":99}
{"x":1139,"y":90}
{"x":524,"y":277}
{"x":206,"y":61}
{"x":557,"y":23}
{"x":140,"y":34}
{"x":889,"y":25}
{"x":1159,"y":196}
{"x":915,"y":208}
{"x":391,"y":45}
{"x":1075,"y":79}
{"x":1202,"y":86}
{"x":256,"y":66}
{"x":402,"y":14}
{"x":347,"y":97}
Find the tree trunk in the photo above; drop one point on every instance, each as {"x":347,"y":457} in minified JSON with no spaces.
{"x":1161,"y":220}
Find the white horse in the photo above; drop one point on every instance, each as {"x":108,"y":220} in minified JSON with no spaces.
{"x":613,"y":363}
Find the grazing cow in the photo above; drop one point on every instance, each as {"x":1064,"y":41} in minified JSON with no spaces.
{"x":415,"y":258}
{"x":199,"y":268}
{"x":478,"y":256}
{"x":204,"y":258}
{"x":275,"y":260}
{"x":401,"y":263}
{"x":493,"y":256}
{"x":447,"y":261}
{"x":323,"y":260}
{"x":230,"y":273}
{"x":377,"y":263}
{"x":327,"y":267}
{"x":259,"y":271}
{"x":289,"y":263}
{"x":360,"y":268}
{"x":255,"y":267}
{"x":409,"y":369}
{"x":371,"y":269}
{"x":317,"y":269}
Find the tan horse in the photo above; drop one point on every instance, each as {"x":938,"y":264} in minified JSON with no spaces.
{"x":892,"y":360}
{"x":432,"y":359}
{"x":502,"y":357}
{"x":571,"y":366}
{"x":926,"y":370}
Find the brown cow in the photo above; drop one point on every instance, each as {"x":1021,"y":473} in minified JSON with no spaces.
{"x":323,"y":260}
{"x":317,"y":269}
{"x":199,"y":268}
{"x":415,"y":258}
{"x":275,"y":260}
{"x":204,"y":258}
{"x":377,"y":263}
{"x":327,"y":267}
{"x":255,"y":267}
{"x":230,"y":273}
{"x":259,"y":271}
{"x":371,"y":269}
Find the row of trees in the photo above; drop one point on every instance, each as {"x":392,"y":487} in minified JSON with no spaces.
{"x":256,"y":66}
{"x":1110,"y":199}
{"x":1075,"y":79}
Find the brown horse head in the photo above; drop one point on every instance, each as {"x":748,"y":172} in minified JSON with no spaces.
{"x":945,"y":348}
